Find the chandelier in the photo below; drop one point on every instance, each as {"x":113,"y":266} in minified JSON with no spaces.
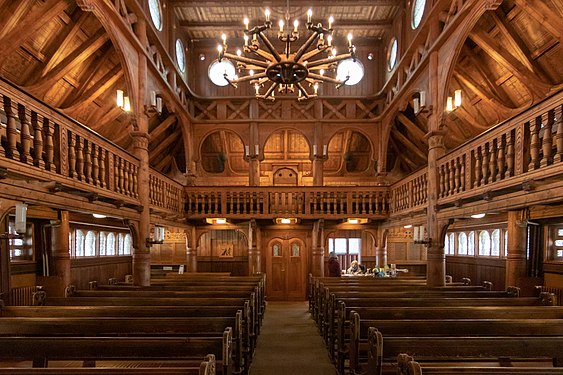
{"x":301,"y":71}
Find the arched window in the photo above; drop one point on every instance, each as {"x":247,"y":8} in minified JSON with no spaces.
{"x":295,"y":250}
{"x":484,"y":243}
{"x":462,"y":244}
{"x":103,"y":243}
{"x":120,"y":243}
{"x":110,"y":249}
{"x":392,"y":54}
{"x":276,"y":250}
{"x":79,"y":243}
{"x":155,"y":11}
{"x":471,"y":243}
{"x":128,"y":244}
{"x":90,"y":244}
{"x":450,"y":238}
{"x":495,"y":248}
{"x":417,"y":13}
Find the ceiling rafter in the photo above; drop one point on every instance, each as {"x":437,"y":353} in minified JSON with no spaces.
{"x":411,"y":127}
{"x":545,"y":16}
{"x":162,"y":127}
{"x":518,"y":46}
{"x":99,"y":88}
{"x":409,"y":144}
{"x":403,"y":157}
{"x":76,"y":57}
{"x":13,"y":14}
{"x":501,"y":56}
{"x":107,"y":119}
{"x":162,"y":146}
{"x":260,"y":3}
{"x":29,"y":25}
{"x":468,"y":118}
{"x":466,"y":80}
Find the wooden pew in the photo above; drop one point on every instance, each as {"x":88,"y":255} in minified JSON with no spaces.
{"x":340,"y":339}
{"x":382,"y":349}
{"x":131,"y":327}
{"x":41,"y":350}
{"x":406,"y":365}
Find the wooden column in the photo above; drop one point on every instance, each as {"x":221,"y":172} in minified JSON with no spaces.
{"x":253,"y":171}
{"x":4,"y":251}
{"x":516,"y":256}
{"x":381,"y":249}
{"x":318,"y":250}
{"x":191,"y":250}
{"x":142,"y":255}
{"x":60,"y":267}
{"x":254,"y":253}
{"x":318,"y":170}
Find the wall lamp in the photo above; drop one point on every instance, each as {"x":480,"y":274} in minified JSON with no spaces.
{"x":158,"y":236}
{"x":316,"y":151}
{"x":20,"y":224}
{"x":354,"y":220}
{"x":122,"y":101}
{"x":215,"y":220}
{"x":286,"y":220}
{"x":419,"y":103}
{"x":156,"y":103}
{"x":453,"y":103}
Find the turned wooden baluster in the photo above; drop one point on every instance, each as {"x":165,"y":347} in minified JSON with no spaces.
{"x":462,"y":174}
{"x":478,"y":170}
{"x":88,"y":162}
{"x":485,"y":164}
{"x":534,"y":143}
{"x":457,"y":175}
{"x":49,"y":128}
{"x":135,"y":181}
{"x":559,"y":135}
{"x":448,"y":178}
{"x":11,"y":130}
{"x":120,"y":176}
{"x":71,"y":155}
{"x":509,"y":155}
{"x":492,"y":161}
{"x":547,"y":140}
{"x":416,"y":192}
{"x":500,"y":158}
{"x":442,"y":183}
{"x":25,"y":136}
{"x":103,"y":169}
{"x":96,"y":165}
{"x":37,"y":141}
{"x":126,"y":177}
{"x":80,"y":158}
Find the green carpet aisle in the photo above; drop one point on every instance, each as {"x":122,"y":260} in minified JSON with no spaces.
{"x":289,"y":343}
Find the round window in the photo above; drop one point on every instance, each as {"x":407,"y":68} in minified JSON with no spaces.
{"x":156,"y":13}
{"x":180,"y":55}
{"x":351,"y":68}
{"x":392,"y":54}
{"x":217,"y":70}
{"x":417,"y":12}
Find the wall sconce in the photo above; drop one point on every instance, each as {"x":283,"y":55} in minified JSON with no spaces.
{"x":158,"y":236}
{"x":478,"y":216}
{"x":123,"y":101}
{"x":453,"y":103}
{"x":419,"y":103}
{"x":21,"y":218}
{"x":215,"y":220}
{"x":408,"y":226}
{"x":315,"y":150}
{"x":352,"y":220}
{"x":286,"y":220}
{"x":99,"y":216}
{"x":156,"y":103}
{"x":247,"y":151}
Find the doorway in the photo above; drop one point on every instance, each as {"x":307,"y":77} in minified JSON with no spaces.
{"x":285,"y":266}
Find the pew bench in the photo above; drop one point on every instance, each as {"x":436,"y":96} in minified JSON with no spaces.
{"x":180,"y":350}
{"x":406,"y":365}
{"x":385,"y":349}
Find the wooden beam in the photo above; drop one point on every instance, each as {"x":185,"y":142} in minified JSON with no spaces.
{"x":412,"y":127}
{"x":480,"y":91}
{"x":279,"y":3}
{"x":403,"y":157}
{"x":31,"y":23}
{"x":78,"y":56}
{"x":218,"y":27}
{"x":409,"y":144}
{"x":162,"y":146}
{"x":13,"y":13}
{"x":101,"y":87}
{"x":465,"y":116}
{"x":546,"y":17}
{"x":518,"y":46}
{"x":161,"y":128}
{"x":501,"y":56}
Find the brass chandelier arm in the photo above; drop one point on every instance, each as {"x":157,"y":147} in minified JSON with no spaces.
{"x":246,"y":60}
{"x":270,"y":47}
{"x":302,"y":90}
{"x":307,"y":56}
{"x":271,"y":90}
{"x":256,"y":77}
{"x":318,"y":63}
{"x":318,"y":77}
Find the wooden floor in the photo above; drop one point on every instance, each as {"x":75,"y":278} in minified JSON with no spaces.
{"x":289,"y":343}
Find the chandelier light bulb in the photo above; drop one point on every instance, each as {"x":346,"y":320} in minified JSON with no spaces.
{"x":251,"y":72}
{"x":316,"y":88}
{"x":295,"y":25}
{"x":281,"y":26}
{"x":350,"y":40}
{"x":334,"y":52}
{"x":330,"y":21}
{"x":219,"y":48}
{"x":246,"y":23}
{"x":245,"y":40}
{"x":267,"y":14}
{"x":322,"y":72}
{"x":329,"y":40}
{"x":257,"y":88}
{"x":224,"y":37}
{"x":239,"y":52}
{"x":309,"y":15}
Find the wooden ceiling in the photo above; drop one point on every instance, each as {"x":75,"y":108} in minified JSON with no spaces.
{"x":365,"y":19}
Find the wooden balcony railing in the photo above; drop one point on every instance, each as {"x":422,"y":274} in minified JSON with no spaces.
{"x":410,"y":193}
{"x":529,"y":146}
{"x":301,"y":202}
{"x":166,"y":194}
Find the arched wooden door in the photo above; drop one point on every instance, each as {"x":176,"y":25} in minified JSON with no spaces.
{"x":286,"y":266}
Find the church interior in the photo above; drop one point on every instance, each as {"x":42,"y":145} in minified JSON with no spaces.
{"x":258,"y":139}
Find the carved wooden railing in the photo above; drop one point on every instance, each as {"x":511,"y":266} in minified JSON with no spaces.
{"x":409,"y":193}
{"x":48,"y":146}
{"x":165,"y":193}
{"x":527,"y":147}
{"x":299,"y":202}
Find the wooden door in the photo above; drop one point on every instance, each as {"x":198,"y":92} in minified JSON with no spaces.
{"x":286,"y":269}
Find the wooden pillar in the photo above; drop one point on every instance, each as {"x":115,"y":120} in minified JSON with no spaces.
{"x":318,"y":250}
{"x":4,"y":252}
{"x":381,"y":249}
{"x":318,"y":170}
{"x":60,"y":267}
{"x":142,"y":255}
{"x":253,"y":171}
{"x":516,"y":255}
{"x":254,"y":253}
{"x":191,"y":250}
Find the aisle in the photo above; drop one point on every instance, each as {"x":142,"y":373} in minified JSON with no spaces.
{"x":289,"y":343}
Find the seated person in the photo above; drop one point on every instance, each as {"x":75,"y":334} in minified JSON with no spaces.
{"x":333,"y":266}
{"x":356,"y":268}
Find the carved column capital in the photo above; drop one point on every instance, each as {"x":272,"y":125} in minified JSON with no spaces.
{"x":86,"y":5}
{"x":140,"y":140}
{"x":435,"y":139}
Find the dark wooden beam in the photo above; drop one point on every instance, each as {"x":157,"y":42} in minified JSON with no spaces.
{"x":161,"y":128}
{"x":548,"y":18}
{"x":219,"y":27}
{"x":412,"y":127}
{"x":409,"y":144}
{"x":280,"y":3}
